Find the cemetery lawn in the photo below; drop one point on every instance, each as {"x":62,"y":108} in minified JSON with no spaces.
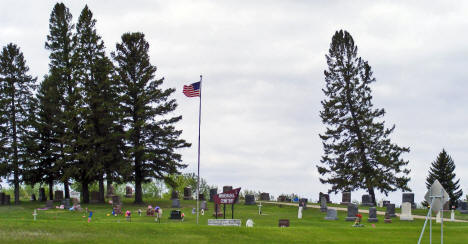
{"x":62,"y":226}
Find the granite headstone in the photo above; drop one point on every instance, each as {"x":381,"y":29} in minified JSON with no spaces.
{"x":250,"y":199}
{"x":372,"y":215}
{"x":352,"y":211}
{"x":175,"y":203}
{"x":367,"y":200}
{"x":42,"y":195}
{"x":213,"y":192}
{"x":128,"y":192}
{"x":323,"y":204}
{"x":408,"y":197}
{"x":264,"y":196}
{"x":187,"y":193}
{"x":346,"y":198}
{"x":391,"y":210}
{"x":463,"y":207}
{"x":58,"y":196}
{"x":331,"y":214}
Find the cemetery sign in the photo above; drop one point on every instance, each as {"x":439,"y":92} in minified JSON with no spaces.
{"x":228,"y":197}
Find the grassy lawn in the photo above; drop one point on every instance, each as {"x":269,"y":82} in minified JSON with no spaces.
{"x":63,"y":226}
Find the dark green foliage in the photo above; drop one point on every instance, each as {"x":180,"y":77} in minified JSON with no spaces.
{"x":443,"y":169}
{"x":358,"y":152}
{"x":16,"y":104}
{"x":151,"y":137}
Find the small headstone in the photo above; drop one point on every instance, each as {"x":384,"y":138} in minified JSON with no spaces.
{"x":387,"y":219}
{"x":128,"y":192}
{"x":352,"y":211}
{"x":408,"y":197}
{"x":406,"y":212}
{"x":33,"y":197}
{"x":213,"y":192}
{"x":331,"y":214}
{"x":176,"y":214}
{"x":264,"y":196}
{"x":463,"y":207}
{"x":94,"y":197}
{"x":175,"y":203}
{"x":391,"y":210}
{"x":2,"y":198}
{"x":299,"y":213}
{"x":110,"y":191}
{"x":174,"y":194}
{"x":452,"y":215}
{"x":187,"y":193}
{"x":323,"y":204}
{"x":66,"y":203}
{"x":227,"y":188}
{"x":49,"y":204}
{"x":385,"y":203}
{"x":201,"y":197}
{"x":372,"y":215}
{"x":117,"y":209}
{"x":203,"y":205}
{"x":249,"y":223}
{"x":346,"y":198}
{"x":42,"y":195}
{"x":58,"y":196}
{"x":283,"y":223}
{"x":35,"y":214}
{"x":327,"y":197}
{"x":303,"y":202}
{"x":367,"y":200}
{"x":116,"y":200}
{"x":250,"y":200}
{"x":194,"y":210}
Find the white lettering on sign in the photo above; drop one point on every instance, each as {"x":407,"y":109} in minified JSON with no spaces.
{"x":224,"y":222}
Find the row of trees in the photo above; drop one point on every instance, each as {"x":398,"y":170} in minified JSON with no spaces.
{"x":91,"y":118}
{"x":358,"y":152}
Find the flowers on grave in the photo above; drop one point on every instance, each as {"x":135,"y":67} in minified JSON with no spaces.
{"x":357,"y":222}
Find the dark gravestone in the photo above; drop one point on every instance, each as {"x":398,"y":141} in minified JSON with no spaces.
{"x":283,"y":223}
{"x":303,"y":203}
{"x":58,"y":196}
{"x":327,"y":197}
{"x":176,"y":214}
{"x":385,"y":203}
{"x":94,"y":197}
{"x":2,"y":198}
{"x":201,"y":197}
{"x":463,"y":207}
{"x":281,"y":198}
{"x":352,"y":211}
{"x":49,"y":204}
{"x":110,"y":191}
{"x":323,"y":204}
{"x":66,"y":203}
{"x":187,"y":193}
{"x":367,"y":200}
{"x":128,"y":192}
{"x":203,"y":205}
{"x":372,"y":215}
{"x":264,"y":196}
{"x":227,"y":188}
{"x":174,"y":195}
{"x":33,"y":197}
{"x":408,"y":197}
{"x":213,"y":192}
{"x":116,"y":200}
{"x":175,"y":203}
{"x":391,"y":210}
{"x":250,"y":200}
{"x":331,"y":214}
{"x":346,"y":198}
{"x":7,"y":200}
{"x":42,"y":196}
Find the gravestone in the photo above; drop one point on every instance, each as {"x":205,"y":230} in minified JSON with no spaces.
{"x":327,"y":197}
{"x":49,"y":204}
{"x":323,"y":204}
{"x":213,"y":192}
{"x":387,"y":219}
{"x":94,"y":197}
{"x":187,"y":193}
{"x":367,"y":200}
{"x":283,"y":223}
{"x":75,"y":201}
{"x":385,"y":203}
{"x":117,"y":209}
{"x":7,"y":200}
{"x":217,"y":212}
{"x":203,"y":205}
{"x":176,"y":214}
{"x":250,"y":200}
{"x":299,"y":213}
{"x":408,"y":197}
{"x":2,"y":198}
{"x":175,"y":203}
{"x":201,"y":197}
{"x":391,"y":210}
{"x":346,"y":198}
{"x":227,"y":188}
{"x":352,"y":211}
{"x":58,"y":196}
{"x":116,"y":200}
{"x":373,"y":215}
{"x":174,"y":194}
{"x":264,"y":196}
{"x":33,"y":197}
{"x":66,"y":203}
{"x":331,"y":214}
{"x":463,"y":207}
{"x":406,"y":212}
{"x":42,"y":195}
{"x":128,"y":192}
{"x":249,"y":223}
{"x":110,"y":191}
{"x":303,"y":202}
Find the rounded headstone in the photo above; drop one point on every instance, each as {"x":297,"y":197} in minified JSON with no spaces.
{"x":249,"y":199}
{"x":227,"y":188}
{"x":213,"y":192}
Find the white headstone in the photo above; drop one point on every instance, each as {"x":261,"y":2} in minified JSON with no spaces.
{"x":452,"y":215}
{"x":381,"y":203}
{"x":249,"y":223}
{"x":406,"y":212}
{"x":299,"y":213}
{"x":438,"y":219}
{"x":437,"y":195}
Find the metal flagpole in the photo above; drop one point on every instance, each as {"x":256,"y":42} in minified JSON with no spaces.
{"x":198,"y":176}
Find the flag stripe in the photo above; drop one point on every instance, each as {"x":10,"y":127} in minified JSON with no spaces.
{"x":192,"y":90}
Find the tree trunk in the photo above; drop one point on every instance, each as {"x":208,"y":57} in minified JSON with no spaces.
{"x":138,"y":179}
{"x":51,"y":190}
{"x":372,"y":195}
{"x":85,"y":191}
{"x":66,"y":189}
{"x":101,"y":189}
{"x":17,"y":187}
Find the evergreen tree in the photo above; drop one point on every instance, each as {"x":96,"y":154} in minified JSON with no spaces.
{"x":150,"y":133}
{"x":59,"y":43}
{"x":443,"y":169}
{"x":16,"y":100}
{"x":358,"y":152}
{"x":102,"y":155}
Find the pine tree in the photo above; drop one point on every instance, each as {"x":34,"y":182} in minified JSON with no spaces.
{"x":93,"y":70}
{"x":16,"y":101}
{"x":59,"y":43}
{"x":150,"y":132}
{"x":443,"y":169}
{"x":358,"y":152}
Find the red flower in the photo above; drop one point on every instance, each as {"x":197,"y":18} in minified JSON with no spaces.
{"x":359,"y":216}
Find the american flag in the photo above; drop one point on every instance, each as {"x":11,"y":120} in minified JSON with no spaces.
{"x":192,"y":90}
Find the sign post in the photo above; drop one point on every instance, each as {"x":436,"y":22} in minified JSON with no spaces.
{"x":228,"y":197}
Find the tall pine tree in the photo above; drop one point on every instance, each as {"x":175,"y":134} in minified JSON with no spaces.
{"x":443,"y":169}
{"x":150,"y":133}
{"x":358,"y":152}
{"x":16,"y":104}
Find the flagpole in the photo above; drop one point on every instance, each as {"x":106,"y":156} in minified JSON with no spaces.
{"x":198,"y":176}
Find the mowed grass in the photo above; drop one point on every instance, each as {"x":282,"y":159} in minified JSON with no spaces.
{"x":63,"y":226}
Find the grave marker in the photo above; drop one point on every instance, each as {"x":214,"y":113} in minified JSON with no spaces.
{"x":283,"y":223}
{"x":391,"y":210}
{"x":331,"y":214}
{"x":406,"y":212}
{"x":128,"y":192}
{"x":352,"y":211}
{"x":372,"y":215}
{"x":42,"y":195}
{"x":58,"y":196}
{"x":367,"y":200}
{"x":250,"y":200}
{"x":264,"y":196}
{"x":213,"y":192}
{"x":323,"y":204}
{"x":187,"y":193}
{"x":346,"y":198}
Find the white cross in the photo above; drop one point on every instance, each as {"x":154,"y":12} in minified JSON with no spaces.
{"x":35,"y":214}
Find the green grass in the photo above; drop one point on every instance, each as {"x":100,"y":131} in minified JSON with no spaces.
{"x":63,"y":226}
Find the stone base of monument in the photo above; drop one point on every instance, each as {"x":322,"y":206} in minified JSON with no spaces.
{"x":175,"y":203}
{"x":187,"y":198}
{"x":350,"y":218}
{"x":368,"y":204}
{"x":219,"y":214}
{"x":463,"y":211}
{"x":392,"y":215}
{"x":344,"y":203}
{"x":225,"y":222}
{"x":372,"y":220}
{"x":406,"y":218}
{"x":323,"y":210}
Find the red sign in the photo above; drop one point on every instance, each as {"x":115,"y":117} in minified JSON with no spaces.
{"x":228,"y":197}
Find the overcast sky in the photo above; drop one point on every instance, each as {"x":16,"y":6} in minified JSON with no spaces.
{"x":262,"y":64}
